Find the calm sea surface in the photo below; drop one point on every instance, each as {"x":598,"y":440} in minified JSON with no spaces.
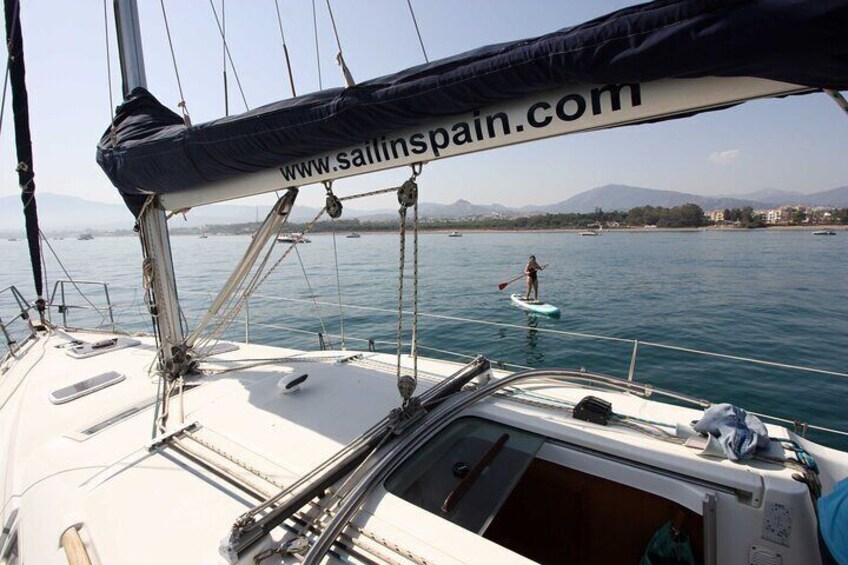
{"x":777,"y":296}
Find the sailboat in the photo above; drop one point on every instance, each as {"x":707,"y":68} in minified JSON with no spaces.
{"x":179,"y":447}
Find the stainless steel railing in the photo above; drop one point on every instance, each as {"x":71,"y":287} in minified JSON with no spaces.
{"x":63,"y":307}
{"x":25,"y":309}
{"x":324,"y":339}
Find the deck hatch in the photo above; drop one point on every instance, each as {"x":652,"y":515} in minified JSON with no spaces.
{"x":437,"y":477}
{"x":85,"y":387}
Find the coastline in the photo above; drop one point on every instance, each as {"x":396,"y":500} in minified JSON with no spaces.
{"x":629,"y":230}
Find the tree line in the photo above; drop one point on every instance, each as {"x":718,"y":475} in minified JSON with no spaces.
{"x":685,"y":216}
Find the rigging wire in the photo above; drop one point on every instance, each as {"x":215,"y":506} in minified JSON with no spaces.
{"x":348,"y":78}
{"x":109,"y":71}
{"x":3,"y":101}
{"x":70,"y":278}
{"x":229,"y":55}
{"x":182,"y":102}
{"x":317,"y":50}
{"x":311,"y":292}
{"x":8,"y":69}
{"x":418,"y":31}
{"x":338,"y":283}
{"x":285,"y":48}
{"x":224,"y":57}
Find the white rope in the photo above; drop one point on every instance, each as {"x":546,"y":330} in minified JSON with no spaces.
{"x":256,"y":282}
{"x":414,"y":345}
{"x":402,"y":254}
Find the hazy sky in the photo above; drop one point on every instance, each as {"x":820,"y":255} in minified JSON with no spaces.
{"x":793,"y":144}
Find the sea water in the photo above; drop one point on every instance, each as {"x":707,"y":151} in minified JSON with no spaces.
{"x":780,"y":296}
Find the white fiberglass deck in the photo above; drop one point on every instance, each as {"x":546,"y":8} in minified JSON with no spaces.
{"x":86,"y":462}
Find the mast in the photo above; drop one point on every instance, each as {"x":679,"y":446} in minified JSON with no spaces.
{"x":23,"y":144}
{"x":152,"y":222}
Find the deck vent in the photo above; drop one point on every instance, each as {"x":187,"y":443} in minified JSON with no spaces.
{"x":291,"y":383}
{"x":759,"y":555}
{"x":593,"y":409}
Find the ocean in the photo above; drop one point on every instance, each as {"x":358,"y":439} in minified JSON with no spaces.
{"x":780,"y":296}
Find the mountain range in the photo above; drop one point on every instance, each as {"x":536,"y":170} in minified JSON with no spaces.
{"x":59,"y":212}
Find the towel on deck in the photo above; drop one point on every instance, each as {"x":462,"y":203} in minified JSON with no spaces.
{"x":739,"y":433}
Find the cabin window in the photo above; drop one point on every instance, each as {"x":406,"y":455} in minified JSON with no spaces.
{"x":489,"y":479}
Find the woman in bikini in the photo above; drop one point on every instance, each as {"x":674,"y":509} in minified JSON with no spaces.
{"x":531,"y":270}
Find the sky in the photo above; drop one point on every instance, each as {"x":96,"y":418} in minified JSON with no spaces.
{"x":795,"y":144}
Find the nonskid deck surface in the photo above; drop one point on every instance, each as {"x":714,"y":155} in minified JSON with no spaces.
{"x":86,"y":461}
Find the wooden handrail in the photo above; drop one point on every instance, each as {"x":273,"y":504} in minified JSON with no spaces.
{"x":74,"y":548}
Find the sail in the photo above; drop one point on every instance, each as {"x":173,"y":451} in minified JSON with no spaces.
{"x":798,"y":42}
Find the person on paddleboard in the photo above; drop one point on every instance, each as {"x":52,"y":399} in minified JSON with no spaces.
{"x":531,"y":270}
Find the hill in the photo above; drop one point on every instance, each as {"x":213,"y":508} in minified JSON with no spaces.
{"x":623,"y":197}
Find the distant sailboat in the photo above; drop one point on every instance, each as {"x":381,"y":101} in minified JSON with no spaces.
{"x":294,"y":237}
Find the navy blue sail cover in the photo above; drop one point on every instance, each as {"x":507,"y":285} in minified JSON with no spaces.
{"x":803,"y":42}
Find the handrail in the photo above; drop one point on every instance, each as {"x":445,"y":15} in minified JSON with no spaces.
{"x":634,"y":342}
{"x":64,"y":307}
{"x":24,"y":308}
{"x":633,"y":356}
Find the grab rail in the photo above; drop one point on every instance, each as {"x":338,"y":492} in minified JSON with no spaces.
{"x":800,"y":427}
{"x":634,"y":342}
{"x":23,"y":314}
{"x":63,"y":308}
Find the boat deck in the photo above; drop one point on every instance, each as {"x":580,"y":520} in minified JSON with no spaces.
{"x":88,"y":460}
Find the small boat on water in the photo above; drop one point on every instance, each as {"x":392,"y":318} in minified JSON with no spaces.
{"x":85,"y":237}
{"x":454,"y":234}
{"x":824,"y":232}
{"x":294,"y":237}
{"x":588,"y":233}
{"x":203,"y":236}
{"x":353,"y":235}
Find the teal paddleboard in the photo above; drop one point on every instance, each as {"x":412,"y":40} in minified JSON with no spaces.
{"x":535,"y":306}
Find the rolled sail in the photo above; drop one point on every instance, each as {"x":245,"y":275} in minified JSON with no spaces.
{"x":598,"y":74}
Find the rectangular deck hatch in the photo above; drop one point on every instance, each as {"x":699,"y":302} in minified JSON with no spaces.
{"x":85,"y":387}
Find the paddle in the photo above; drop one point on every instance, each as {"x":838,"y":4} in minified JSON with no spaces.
{"x":503,"y":285}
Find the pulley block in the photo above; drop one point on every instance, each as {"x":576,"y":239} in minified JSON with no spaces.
{"x":334,"y":206}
